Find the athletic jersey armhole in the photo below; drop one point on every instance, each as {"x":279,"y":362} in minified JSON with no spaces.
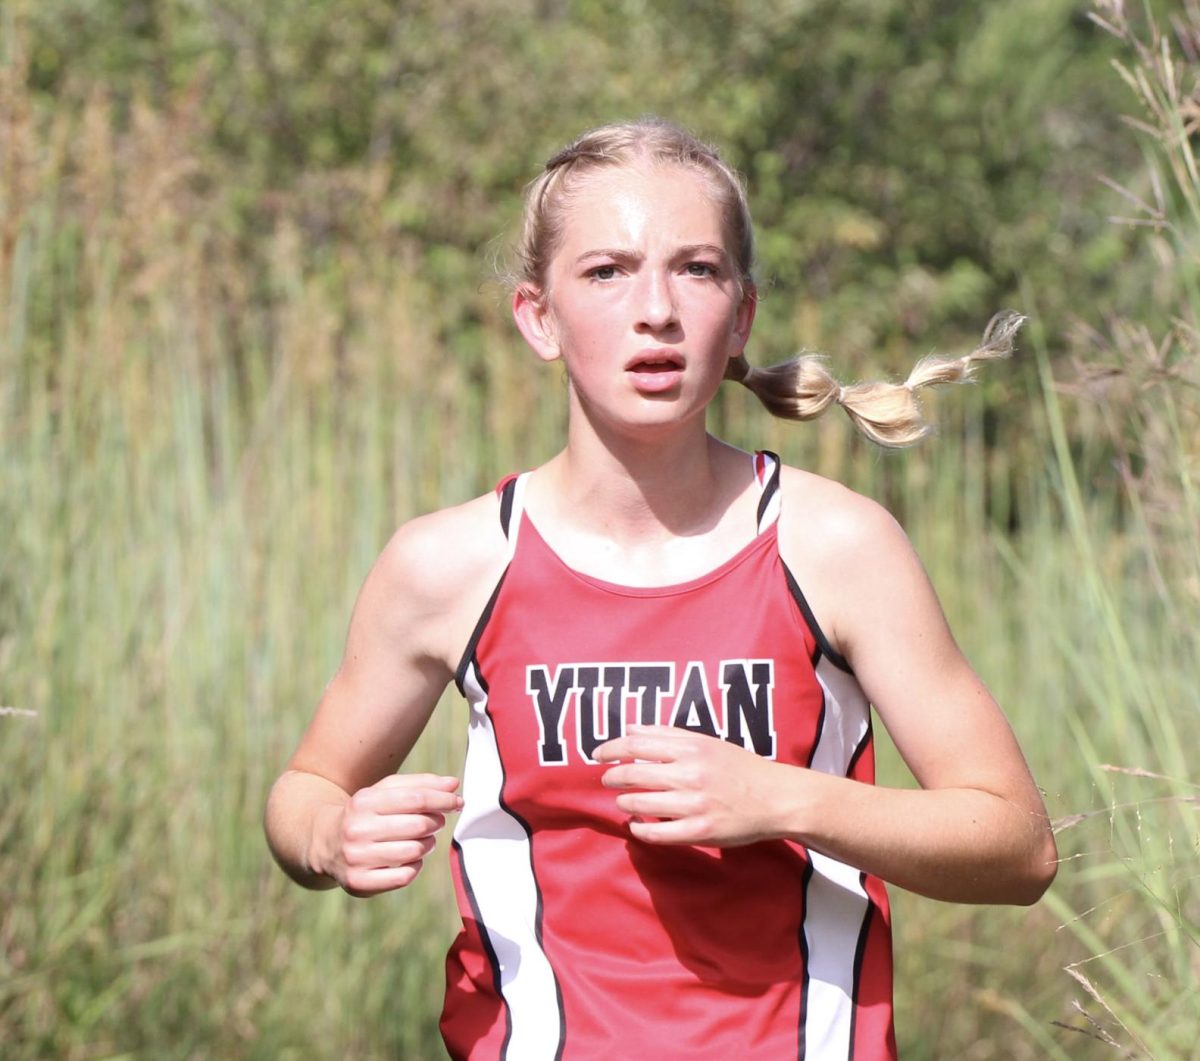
{"x":767,"y":467}
{"x":460,"y":672}
{"x":824,"y":647}
{"x":510,"y":490}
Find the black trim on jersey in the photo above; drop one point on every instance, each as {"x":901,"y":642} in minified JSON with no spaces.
{"x":537,"y":920}
{"x":488,"y":949}
{"x":507,"y":492}
{"x":805,"y":978}
{"x":808,"y":872}
{"x":827,"y":649}
{"x":468,"y":656}
{"x":771,"y":488}
{"x":860,"y":954}
{"x":812,"y":752}
{"x":863,"y":745}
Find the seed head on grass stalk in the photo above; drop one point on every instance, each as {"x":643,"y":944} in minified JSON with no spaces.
{"x":1133,"y":904}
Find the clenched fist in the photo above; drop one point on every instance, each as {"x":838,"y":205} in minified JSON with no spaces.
{"x":381,"y":836}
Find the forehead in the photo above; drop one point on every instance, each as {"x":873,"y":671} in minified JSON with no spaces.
{"x":641,"y":207}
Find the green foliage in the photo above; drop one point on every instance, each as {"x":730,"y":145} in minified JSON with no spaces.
{"x":246,"y":329}
{"x":907,"y":162}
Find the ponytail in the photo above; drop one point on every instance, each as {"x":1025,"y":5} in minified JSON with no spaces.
{"x":889,"y":414}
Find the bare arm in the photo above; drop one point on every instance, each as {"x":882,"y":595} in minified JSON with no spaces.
{"x":976,"y":831}
{"x":339,"y":814}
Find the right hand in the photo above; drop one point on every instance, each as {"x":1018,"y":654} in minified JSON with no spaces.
{"x":385,"y":831}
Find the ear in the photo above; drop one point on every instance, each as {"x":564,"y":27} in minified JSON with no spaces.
{"x":744,"y":318}
{"x":531,"y":311}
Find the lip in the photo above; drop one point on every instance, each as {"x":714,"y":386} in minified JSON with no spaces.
{"x":654,"y":360}
{"x":655,"y":371}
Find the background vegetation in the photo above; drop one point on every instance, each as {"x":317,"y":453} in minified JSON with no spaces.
{"x":249,"y":322}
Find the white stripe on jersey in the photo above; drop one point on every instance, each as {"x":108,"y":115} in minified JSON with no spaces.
{"x":498,"y":869}
{"x":835,"y":900}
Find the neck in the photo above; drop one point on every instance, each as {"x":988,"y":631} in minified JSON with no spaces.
{"x":672,"y":483}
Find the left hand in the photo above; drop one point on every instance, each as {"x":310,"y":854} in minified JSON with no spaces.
{"x":682,"y":787}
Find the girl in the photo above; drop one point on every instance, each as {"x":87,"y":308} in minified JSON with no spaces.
{"x":670,"y":842}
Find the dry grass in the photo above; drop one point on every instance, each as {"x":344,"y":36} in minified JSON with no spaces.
{"x":205,"y":438}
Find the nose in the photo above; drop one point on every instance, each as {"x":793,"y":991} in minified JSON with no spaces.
{"x":656,"y":302}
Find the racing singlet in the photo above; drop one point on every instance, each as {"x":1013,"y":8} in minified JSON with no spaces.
{"x":578,"y":940}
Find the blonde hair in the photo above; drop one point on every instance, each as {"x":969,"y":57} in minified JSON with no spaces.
{"x":889,"y":414}
{"x":801,"y":388}
{"x":622,"y":144}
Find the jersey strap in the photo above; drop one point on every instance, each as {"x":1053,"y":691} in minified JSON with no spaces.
{"x":766,"y":471}
{"x":511,"y":491}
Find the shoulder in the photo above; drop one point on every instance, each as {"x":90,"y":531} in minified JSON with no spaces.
{"x":438,"y":554}
{"x":822,"y":515}
{"x":435,"y":575}
{"x":850,"y":556}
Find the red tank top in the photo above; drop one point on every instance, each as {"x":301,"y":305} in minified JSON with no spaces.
{"x":578,"y":941}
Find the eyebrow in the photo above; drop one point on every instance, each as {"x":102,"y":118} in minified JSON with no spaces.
{"x":605,"y":252}
{"x":701,"y":248}
{"x":685,"y":251}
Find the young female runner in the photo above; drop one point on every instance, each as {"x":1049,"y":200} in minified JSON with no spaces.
{"x":670,"y":843}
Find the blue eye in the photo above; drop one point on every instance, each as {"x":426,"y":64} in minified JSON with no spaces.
{"x":603,"y":272}
{"x":701,"y":269}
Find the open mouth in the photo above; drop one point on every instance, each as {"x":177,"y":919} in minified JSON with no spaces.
{"x":652,"y":364}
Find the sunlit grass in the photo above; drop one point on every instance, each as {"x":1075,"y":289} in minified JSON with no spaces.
{"x":200,"y":457}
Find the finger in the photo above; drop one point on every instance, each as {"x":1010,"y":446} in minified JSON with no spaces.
{"x":377,"y":828}
{"x":653,"y":743}
{"x":668,"y":831}
{"x":612,"y":751}
{"x":639,"y":775}
{"x":366,"y":882}
{"x":659,"y":804}
{"x":403,"y":799}
{"x":442,"y":781}
{"x":390,"y":855}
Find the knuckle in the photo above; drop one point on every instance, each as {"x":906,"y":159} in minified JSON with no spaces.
{"x":417,"y":850}
{"x":415,"y":826}
{"x":405,"y":853}
{"x":357,"y":882}
{"x":408,"y":800}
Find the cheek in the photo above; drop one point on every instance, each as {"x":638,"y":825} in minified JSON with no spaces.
{"x":717,"y":318}
{"x":586,"y":331}
{"x":579,"y":340}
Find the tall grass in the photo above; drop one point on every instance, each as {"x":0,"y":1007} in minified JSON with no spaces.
{"x":203,"y":448}
{"x":190,"y":495}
